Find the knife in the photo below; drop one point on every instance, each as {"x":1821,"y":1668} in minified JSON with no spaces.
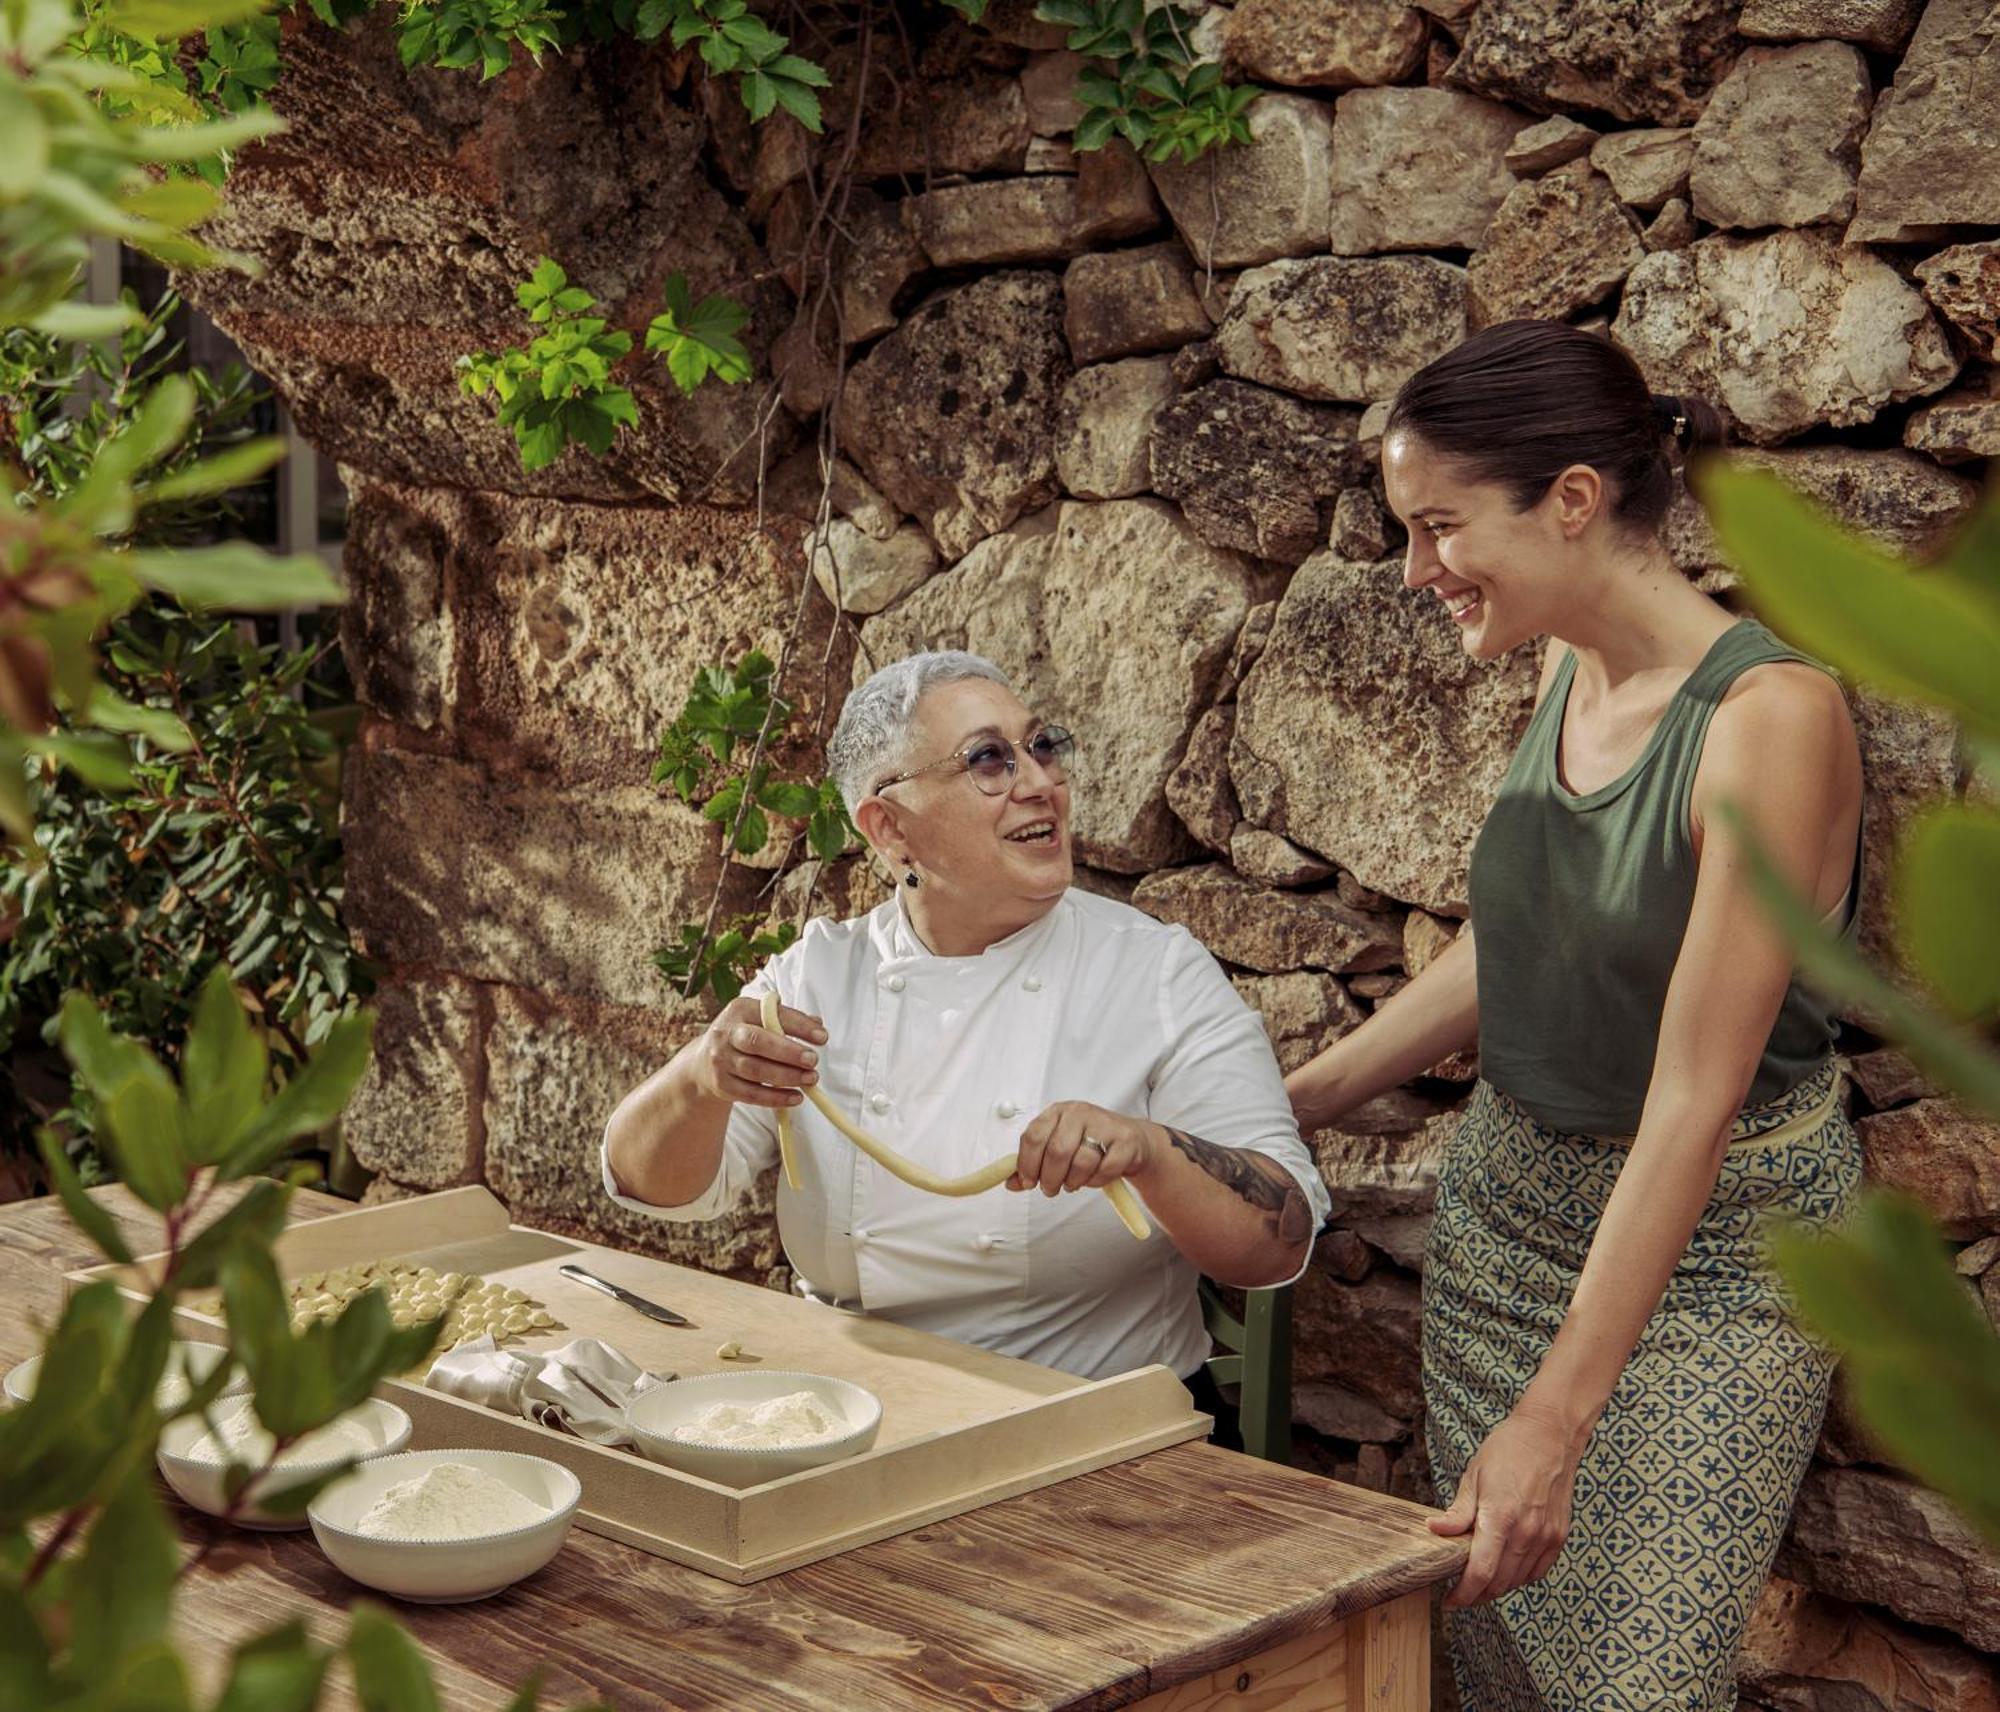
{"x":665,"y":1315}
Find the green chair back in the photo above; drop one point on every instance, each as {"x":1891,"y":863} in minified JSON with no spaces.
{"x":1257,"y":1362}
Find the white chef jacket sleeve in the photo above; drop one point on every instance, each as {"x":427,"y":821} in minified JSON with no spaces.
{"x":1217,"y":1077}
{"x":749,"y":1144}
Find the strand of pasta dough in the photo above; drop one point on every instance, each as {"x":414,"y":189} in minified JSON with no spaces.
{"x":1123,"y":1202}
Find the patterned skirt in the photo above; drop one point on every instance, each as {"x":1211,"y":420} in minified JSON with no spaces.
{"x":1689,"y":1478}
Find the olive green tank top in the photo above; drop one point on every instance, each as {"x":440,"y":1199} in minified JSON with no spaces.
{"x":1579,"y":906}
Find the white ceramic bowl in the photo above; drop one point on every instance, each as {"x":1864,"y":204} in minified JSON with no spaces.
{"x":445,"y":1571}
{"x":186,"y":1360}
{"x":653,"y":1417}
{"x":200,"y":1481}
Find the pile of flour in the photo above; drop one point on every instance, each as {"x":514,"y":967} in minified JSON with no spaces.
{"x":240,"y":1437}
{"x":796,"y":1418}
{"x":449,"y":1501}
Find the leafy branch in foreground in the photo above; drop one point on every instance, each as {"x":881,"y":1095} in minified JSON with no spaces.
{"x":558,"y":391}
{"x":1923,"y":1361}
{"x":89,"y":1561}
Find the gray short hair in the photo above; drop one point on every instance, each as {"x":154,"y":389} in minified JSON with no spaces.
{"x":873,"y":735}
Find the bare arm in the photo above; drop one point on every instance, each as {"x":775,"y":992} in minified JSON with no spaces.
{"x":664,"y":1142}
{"x":1425,"y":1023}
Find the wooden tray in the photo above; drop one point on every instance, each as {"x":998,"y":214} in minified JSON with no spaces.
{"x":961,"y":1427}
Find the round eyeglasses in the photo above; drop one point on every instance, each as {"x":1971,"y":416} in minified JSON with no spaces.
{"x":990,"y":761}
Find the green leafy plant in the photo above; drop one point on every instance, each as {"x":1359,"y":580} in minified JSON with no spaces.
{"x":89,"y":1561}
{"x":724,"y":962}
{"x":461,"y":33}
{"x":731,"y":709}
{"x":77,"y":165}
{"x":1144,"y":84}
{"x":75,"y":168}
{"x":731,"y":38}
{"x":241,"y":65}
{"x":62,"y":400}
{"x":731,"y":706}
{"x":227,"y":850}
{"x":133,"y":890}
{"x":558,"y":390}
{"x":1923,"y":1361}
{"x":699,"y":339}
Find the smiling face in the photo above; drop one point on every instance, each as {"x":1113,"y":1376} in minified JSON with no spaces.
{"x":988,"y":864}
{"x":1504,"y":574}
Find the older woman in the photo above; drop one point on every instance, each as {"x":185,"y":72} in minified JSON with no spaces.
{"x":987,"y":1008}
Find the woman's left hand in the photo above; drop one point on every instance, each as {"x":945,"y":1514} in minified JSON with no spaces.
{"x":1075,"y":1145}
{"x":1515,"y":1502}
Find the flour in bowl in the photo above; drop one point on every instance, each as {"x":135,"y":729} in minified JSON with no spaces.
{"x":796,"y":1418}
{"x":449,"y":1501}
{"x":240,"y":1437}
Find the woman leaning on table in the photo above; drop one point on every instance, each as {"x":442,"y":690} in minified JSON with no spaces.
{"x":987,"y":1009}
{"x":1619,"y":1410}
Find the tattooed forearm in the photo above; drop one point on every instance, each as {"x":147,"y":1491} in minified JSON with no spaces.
{"x":1265,"y":1184}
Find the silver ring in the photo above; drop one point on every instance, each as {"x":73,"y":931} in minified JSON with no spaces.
{"x":1092,"y":1141}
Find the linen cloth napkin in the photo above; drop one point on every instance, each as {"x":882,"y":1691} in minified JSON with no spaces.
{"x":580,"y":1387}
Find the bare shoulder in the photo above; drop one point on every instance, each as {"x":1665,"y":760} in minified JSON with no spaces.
{"x":1784,"y":698}
{"x":1780,"y":719}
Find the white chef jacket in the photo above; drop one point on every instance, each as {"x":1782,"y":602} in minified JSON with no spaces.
{"x":947,"y":1060}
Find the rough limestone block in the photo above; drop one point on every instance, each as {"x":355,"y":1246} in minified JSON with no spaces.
{"x":1932,"y":157}
{"x":1254,"y":202}
{"x":1963,"y":285}
{"x":953,"y":415}
{"x":1418,"y":169}
{"x":1787,"y":332}
{"x":1780,"y":142}
{"x":1655,"y":61}
{"x":1268,"y":929}
{"x":1106,"y":426}
{"x":1858,"y":1534}
{"x":415,"y":1115}
{"x":1560,"y":243}
{"x":1112,"y":619}
{"x":455,"y":869}
{"x":1254,"y":469}
{"x":1343,"y":328}
{"x":1357,"y":44}
{"x":555,"y":1071}
{"x":1125,"y":303}
{"x":1360,"y":667}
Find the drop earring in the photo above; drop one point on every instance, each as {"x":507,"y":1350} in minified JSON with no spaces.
{"x":910,"y":879}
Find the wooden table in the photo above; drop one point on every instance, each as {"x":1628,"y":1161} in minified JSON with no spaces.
{"x":1190,"y":1580}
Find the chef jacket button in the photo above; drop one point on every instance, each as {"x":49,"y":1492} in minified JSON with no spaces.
{"x":983,"y":1242}
{"x":1005,"y":1109}
{"x":894,"y":983}
{"x":1033,"y":983}
{"x":860,"y":1239}
{"x":878,"y":1102}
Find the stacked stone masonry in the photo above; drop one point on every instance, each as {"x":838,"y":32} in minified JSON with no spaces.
{"x":1117,"y":426}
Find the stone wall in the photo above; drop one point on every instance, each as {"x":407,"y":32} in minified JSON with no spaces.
{"x":1116,"y":426}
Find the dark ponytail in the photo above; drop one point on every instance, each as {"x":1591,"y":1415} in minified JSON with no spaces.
{"x":1521,"y":401}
